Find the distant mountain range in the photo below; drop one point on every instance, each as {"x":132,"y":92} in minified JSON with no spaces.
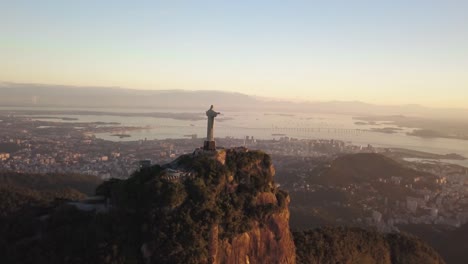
{"x":42,"y":95}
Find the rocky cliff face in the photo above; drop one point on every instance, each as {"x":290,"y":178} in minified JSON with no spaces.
{"x":269,"y":242}
{"x":268,"y":238}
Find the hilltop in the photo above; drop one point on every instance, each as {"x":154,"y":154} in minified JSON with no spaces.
{"x":85,"y":184}
{"x":362,"y":189}
{"x":379,"y":173}
{"x":201,"y":208}
{"x":364,"y":168}
{"x":204,"y":207}
{"x":19,"y":190}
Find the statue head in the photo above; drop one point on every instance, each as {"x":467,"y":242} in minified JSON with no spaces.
{"x":211,"y":108}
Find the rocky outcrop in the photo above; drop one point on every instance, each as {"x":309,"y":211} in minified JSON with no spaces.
{"x":230,"y":211}
{"x":265,"y":243}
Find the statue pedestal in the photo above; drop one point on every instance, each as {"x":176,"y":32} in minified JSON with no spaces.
{"x":209,"y":145}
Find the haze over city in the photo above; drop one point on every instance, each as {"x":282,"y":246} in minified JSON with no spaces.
{"x":382,"y":52}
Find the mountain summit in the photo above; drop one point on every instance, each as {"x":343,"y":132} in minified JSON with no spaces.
{"x":206,"y":207}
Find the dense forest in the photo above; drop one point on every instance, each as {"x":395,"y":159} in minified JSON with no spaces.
{"x":353,"y":245}
{"x":21,"y":190}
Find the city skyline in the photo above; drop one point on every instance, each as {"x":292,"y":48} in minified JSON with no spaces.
{"x":384,"y":53}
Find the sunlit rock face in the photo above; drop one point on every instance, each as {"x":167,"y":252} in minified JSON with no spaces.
{"x":270,"y":242}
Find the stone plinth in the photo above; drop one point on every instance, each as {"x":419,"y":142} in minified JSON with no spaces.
{"x":209,"y":145}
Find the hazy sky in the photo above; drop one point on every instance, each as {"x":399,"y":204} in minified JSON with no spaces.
{"x":391,"y":51}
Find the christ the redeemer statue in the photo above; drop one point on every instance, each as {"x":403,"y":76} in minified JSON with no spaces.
{"x":209,"y":142}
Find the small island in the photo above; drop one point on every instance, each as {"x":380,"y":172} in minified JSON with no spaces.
{"x":399,"y":153}
{"x":386,"y":130}
{"x":121,"y":135}
{"x":58,"y":118}
{"x":423,"y":127}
